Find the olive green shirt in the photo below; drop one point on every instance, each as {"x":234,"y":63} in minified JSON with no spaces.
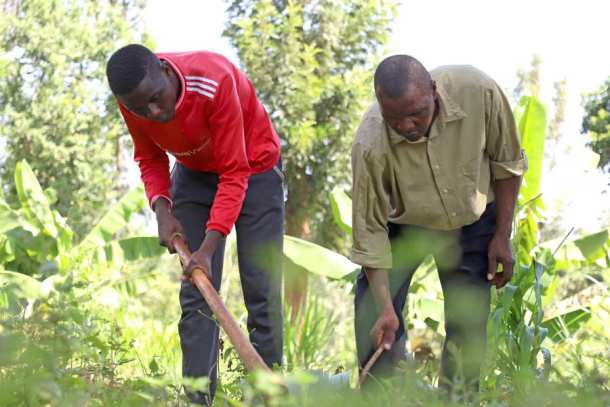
{"x":443,"y":181}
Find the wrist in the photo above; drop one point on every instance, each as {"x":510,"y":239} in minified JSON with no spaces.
{"x":387,"y":308}
{"x":161,"y":207}
{"x":210,"y":242}
{"x":503,"y":232}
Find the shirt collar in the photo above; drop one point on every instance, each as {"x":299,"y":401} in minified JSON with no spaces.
{"x":396,"y":138}
{"x":449,"y":111}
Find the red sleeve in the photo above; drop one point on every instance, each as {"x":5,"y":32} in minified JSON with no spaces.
{"x":227,"y":126}
{"x":152,"y":160}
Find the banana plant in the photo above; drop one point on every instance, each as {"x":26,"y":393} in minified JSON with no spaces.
{"x":315,"y":259}
{"x":318,"y":260}
{"x":530,"y":115}
{"x":341,"y":205}
{"x":36,"y":240}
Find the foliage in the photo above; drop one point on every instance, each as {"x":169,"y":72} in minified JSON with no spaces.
{"x":55,"y":108}
{"x":560,"y":101}
{"x":530,"y":116}
{"x":37,"y":240}
{"x":303,"y":343}
{"x":528,"y":80}
{"x":65,"y":352}
{"x":341,"y":205}
{"x":316,"y":259}
{"x":518,"y":325}
{"x":515,"y":324}
{"x":60,"y":345}
{"x":311,"y":63}
{"x":81,"y":325}
{"x":405,"y":389}
{"x":597,"y":122}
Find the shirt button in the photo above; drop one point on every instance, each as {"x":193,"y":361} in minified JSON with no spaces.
{"x":436,"y":167}
{"x":445,"y":190}
{"x":453,"y":214}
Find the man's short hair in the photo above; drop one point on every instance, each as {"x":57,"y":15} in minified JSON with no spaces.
{"x":396,"y":72}
{"x":127,"y":67}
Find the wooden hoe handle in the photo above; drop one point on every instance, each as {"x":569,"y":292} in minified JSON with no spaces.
{"x":365,"y":372}
{"x":252,"y":360}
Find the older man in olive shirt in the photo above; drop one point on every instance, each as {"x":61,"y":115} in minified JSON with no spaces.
{"x":436,"y":171}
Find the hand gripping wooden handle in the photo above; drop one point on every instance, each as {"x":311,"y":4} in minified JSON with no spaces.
{"x":252,"y":360}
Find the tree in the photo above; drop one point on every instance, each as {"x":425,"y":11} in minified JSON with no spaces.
{"x":597,"y":122}
{"x":55,"y":107}
{"x":565,"y":188}
{"x":559,"y":101}
{"x":529,"y":85}
{"x":528,"y":80}
{"x":311,"y":63}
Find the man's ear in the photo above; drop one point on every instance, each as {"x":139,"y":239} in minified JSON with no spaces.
{"x":433,"y":86}
{"x":378,"y":93}
{"x":165,"y":67}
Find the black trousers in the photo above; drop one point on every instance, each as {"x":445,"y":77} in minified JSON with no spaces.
{"x":461,"y":259}
{"x":260,"y":230}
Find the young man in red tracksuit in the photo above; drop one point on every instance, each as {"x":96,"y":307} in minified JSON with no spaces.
{"x":201,"y":109}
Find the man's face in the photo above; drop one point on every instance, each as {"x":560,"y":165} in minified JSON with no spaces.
{"x":412,"y":113}
{"x":155,"y":97}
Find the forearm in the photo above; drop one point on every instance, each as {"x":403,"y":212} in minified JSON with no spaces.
{"x":379,"y":283}
{"x":506,"y":191}
{"x":211,"y":241}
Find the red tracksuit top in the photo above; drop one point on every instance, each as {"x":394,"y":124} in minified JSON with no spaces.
{"x":220,"y":127}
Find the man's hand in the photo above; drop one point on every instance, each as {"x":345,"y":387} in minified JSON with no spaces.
{"x":384,"y":330}
{"x":167,"y":224}
{"x":200,"y":259}
{"x":500,"y":252}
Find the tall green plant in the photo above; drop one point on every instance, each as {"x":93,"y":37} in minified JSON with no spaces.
{"x":530,"y":116}
{"x":59,"y":345}
{"x":36,"y":240}
{"x":318,"y":260}
{"x":516,"y":332}
{"x":55,"y":107}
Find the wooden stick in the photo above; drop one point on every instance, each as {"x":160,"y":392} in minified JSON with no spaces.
{"x":369,"y":365}
{"x":252,"y":360}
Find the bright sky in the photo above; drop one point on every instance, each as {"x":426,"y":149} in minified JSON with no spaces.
{"x":498,"y":37}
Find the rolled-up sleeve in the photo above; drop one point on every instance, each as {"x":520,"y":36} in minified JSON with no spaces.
{"x":370,"y":211}
{"x":507,"y":159}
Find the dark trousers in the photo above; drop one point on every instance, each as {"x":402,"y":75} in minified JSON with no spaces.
{"x":461,"y":259}
{"x":260,"y":229}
